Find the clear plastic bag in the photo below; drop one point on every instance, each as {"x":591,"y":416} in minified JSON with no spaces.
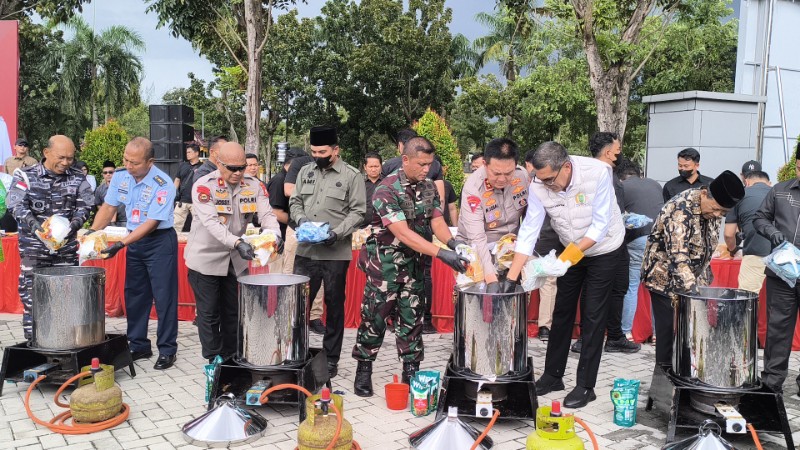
{"x":503,"y":251}
{"x":312,"y":232}
{"x":91,"y":246}
{"x":56,"y":229}
{"x":536,"y":271}
{"x":633,"y":221}
{"x":474,"y":273}
{"x":265,"y":247}
{"x":785,"y":262}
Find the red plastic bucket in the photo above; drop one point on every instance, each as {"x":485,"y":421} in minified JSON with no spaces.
{"x":396,"y":395}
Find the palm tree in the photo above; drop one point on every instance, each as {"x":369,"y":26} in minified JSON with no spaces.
{"x":99,"y":68}
{"x":509,"y":32}
{"x":464,"y":57}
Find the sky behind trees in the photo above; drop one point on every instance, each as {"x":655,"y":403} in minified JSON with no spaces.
{"x":167,"y":59}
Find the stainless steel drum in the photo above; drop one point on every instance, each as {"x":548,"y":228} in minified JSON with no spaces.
{"x":273,"y":328}
{"x":490,"y":338}
{"x":715,"y":339}
{"x":68,"y":307}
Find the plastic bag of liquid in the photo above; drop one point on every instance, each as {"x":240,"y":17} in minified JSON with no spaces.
{"x":625,"y":397}
{"x":425,"y":392}
{"x":56,"y":229}
{"x":633,"y":220}
{"x":503,"y":251}
{"x":536,"y":271}
{"x":265,"y":247}
{"x":209,"y":370}
{"x":91,"y":246}
{"x":785,"y":262}
{"x":474,"y":273}
{"x":312,"y":232}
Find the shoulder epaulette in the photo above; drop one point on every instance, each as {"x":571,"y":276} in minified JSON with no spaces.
{"x":159,"y":180}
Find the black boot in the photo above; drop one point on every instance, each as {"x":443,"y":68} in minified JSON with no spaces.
{"x":409,"y":370}
{"x":362,"y":386}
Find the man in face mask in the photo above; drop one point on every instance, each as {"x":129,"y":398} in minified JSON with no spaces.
{"x":332,"y":191}
{"x":689,"y":176}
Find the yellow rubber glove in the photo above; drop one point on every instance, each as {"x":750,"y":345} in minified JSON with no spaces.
{"x":572,"y":254}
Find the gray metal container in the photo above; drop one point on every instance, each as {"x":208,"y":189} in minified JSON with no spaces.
{"x":490,"y":338}
{"x":715,"y":339}
{"x":273,"y":327}
{"x":68,"y":307}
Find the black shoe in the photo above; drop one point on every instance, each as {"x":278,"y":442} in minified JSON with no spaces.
{"x":362,"y":386}
{"x":579,"y":397}
{"x":798,"y":386}
{"x":544,"y":334}
{"x":194,"y":321}
{"x":621,"y":345}
{"x":428,"y":328}
{"x":409,"y":370}
{"x":333,"y":370}
{"x":316,"y":326}
{"x":547,"y":384}
{"x":577,"y":346}
{"x":141,"y":355}
{"x":164,"y":362}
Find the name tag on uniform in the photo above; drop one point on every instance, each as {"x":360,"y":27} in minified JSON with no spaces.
{"x":136,"y":215}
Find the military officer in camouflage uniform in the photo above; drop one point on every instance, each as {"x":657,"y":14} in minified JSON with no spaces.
{"x":492,"y":202}
{"x":38,"y":192}
{"x":406,"y":209}
{"x":330,"y":190}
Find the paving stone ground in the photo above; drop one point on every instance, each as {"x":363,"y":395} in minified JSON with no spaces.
{"x":162,"y":401}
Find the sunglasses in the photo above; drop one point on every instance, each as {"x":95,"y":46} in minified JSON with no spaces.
{"x":549,"y":181}
{"x":232,"y":168}
{"x":108,"y":172}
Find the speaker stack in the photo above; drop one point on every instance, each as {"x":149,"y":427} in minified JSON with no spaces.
{"x":170,"y":130}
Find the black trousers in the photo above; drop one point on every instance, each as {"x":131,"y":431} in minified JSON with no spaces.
{"x":616,"y":299}
{"x":597,"y":274}
{"x":427,"y":288}
{"x":664,"y":317}
{"x":782,"y":306}
{"x":334,"y":274}
{"x":217,"y":312}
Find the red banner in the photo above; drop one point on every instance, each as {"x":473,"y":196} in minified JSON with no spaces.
{"x":9,"y":85}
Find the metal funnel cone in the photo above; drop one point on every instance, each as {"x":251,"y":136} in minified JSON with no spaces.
{"x":225,"y":425}
{"x":449,"y":433}
{"x":707,"y":438}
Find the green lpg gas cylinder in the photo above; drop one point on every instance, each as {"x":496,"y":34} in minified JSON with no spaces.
{"x":316,"y":432}
{"x":554,"y":431}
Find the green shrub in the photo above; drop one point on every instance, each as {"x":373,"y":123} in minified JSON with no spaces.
{"x":106,"y":142}
{"x":787,"y":172}
{"x":433,"y":127}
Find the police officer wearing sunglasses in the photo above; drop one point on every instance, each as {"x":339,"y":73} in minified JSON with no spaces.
{"x":223,"y":203}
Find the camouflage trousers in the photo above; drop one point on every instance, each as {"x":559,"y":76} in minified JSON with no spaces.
{"x":394,"y":282}
{"x":34,"y":255}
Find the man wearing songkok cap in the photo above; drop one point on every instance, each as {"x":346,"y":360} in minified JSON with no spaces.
{"x":331,"y":191}
{"x":777,"y":220}
{"x":677,"y":258}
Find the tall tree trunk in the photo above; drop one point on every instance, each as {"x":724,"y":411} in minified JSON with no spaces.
{"x":93,"y":97}
{"x":254,"y":23}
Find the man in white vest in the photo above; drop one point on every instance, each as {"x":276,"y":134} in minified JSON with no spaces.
{"x":578,"y":195}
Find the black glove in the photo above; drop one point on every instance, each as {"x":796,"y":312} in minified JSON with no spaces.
{"x":279,"y":243}
{"x":74,"y":226}
{"x":112,"y":250}
{"x":453,"y":243}
{"x":509,"y":286}
{"x":493,"y":288}
{"x":34,"y":225}
{"x":302,"y":221}
{"x":330,"y":240}
{"x":245,"y":250}
{"x":777,"y":238}
{"x":89,"y":231}
{"x":453,"y":259}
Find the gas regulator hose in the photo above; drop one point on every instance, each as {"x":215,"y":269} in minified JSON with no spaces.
{"x":755,"y":436}
{"x":588,"y":431}
{"x":58,"y":423}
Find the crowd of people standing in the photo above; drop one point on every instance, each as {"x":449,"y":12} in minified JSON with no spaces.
{"x":557,"y":201}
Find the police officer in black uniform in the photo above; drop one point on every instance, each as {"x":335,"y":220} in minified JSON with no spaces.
{"x":52,"y":187}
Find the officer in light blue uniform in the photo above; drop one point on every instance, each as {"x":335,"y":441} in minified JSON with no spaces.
{"x":152,"y":257}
